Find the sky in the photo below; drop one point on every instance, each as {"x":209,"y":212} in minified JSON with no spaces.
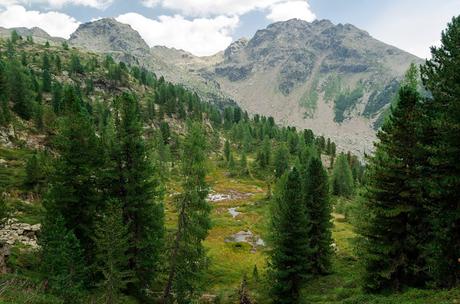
{"x":205,"y":27}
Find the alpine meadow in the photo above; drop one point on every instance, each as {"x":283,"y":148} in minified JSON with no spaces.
{"x":149,"y":155}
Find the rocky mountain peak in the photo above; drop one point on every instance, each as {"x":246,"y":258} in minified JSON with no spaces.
{"x":109,"y":35}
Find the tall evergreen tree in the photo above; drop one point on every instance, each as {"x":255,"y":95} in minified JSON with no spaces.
{"x":139,"y":192}
{"x":342,"y":177}
{"x":318,"y":217}
{"x":188,"y":256}
{"x":112,"y":259}
{"x":391,"y":219}
{"x":62,"y":261}
{"x":19,"y":88}
{"x":290,"y":240}
{"x":281,"y":160}
{"x":441,"y":76}
{"x":46,"y":74}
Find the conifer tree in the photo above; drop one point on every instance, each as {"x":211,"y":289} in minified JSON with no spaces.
{"x":188,"y":256}
{"x":244,"y":171}
{"x":318,"y":217}
{"x":112,"y":260}
{"x":290,"y":240}
{"x":137,"y":188}
{"x":62,"y":263}
{"x":391,"y":219}
{"x":74,"y":192}
{"x":342,"y":177}
{"x":19,"y":89}
{"x":281,"y":160}
{"x":46,"y":74}
{"x":227,"y":151}
{"x":440,"y":77}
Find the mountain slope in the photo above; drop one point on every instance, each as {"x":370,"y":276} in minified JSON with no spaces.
{"x":333,"y":79}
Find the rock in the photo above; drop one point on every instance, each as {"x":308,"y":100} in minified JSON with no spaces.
{"x":233,"y":212}
{"x":5,"y":251}
{"x":24,"y":233}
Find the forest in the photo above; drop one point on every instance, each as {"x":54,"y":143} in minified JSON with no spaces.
{"x":137,"y":188}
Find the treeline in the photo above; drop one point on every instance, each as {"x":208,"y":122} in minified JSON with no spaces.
{"x":409,"y":223}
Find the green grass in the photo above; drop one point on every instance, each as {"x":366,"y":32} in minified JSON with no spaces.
{"x":12,"y":172}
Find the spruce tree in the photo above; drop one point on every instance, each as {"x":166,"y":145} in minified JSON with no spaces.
{"x":281,"y":160}
{"x":19,"y":88}
{"x":139,"y":192}
{"x":391,"y":218}
{"x":318,"y":217}
{"x":112,"y":260}
{"x":46,"y":74}
{"x":290,"y":240}
{"x":342,"y":177}
{"x":227,"y":151}
{"x":441,"y":77}
{"x":62,"y":263}
{"x":188,"y":256}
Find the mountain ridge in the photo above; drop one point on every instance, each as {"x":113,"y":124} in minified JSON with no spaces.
{"x":334,"y":79}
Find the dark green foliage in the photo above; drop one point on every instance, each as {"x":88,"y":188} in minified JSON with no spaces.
{"x":112,"y":260}
{"x":15,"y":37}
{"x":37,"y":171}
{"x":136,"y":187}
{"x":62,"y":260}
{"x":188,"y":256}
{"x":441,"y":76}
{"x":46,"y":74}
{"x":318,"y":217}
{"x":378,"y":100}
{"x":263,"y":157}
{"x":19,"y":88}
{"x":74,"y":193}
{"x":346,"y":101}
{"x":243,"y":165}
{"x":227,"y":150}
{"x":165,"y":132}
{"x":391,"y":220}
{"x":281,"y":160}
{"x":342,"y":177}
{"x":290,"y":240}
{"x":75,"y":65}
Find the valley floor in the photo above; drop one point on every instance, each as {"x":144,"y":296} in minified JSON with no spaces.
{"x":236,"y":244}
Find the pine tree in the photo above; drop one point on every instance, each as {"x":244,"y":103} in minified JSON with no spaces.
{"x":281,"y":160}
{"x":139,"y":192}
{"x":391,"y":219}
{"x":46,"y":74}
{"x":342,"y":177}
{"x":318,"y":217}
{"x":4,"y":211}
{"x":188,"y":256}
{"x":112,"y":259}
{"x":290,"y":240}
{"x":441,"y":77}
{"x":244,"y":171}
{"x":227,"y":151}
{"x":62,"y":263}
{"x":19,"y":89}
{"x":74,"y":192}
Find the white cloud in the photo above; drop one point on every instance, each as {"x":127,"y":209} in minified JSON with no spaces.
{"x":206,"y":8}
{"x":289,"y":10}
{"x":54,"y":23}
{"x":100,"y":4}
{"x":201,"y":36}
{"x":150,"y":3}
{"x":414,"y":26}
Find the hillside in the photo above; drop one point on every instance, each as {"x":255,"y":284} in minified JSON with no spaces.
{"x":82,"y":132}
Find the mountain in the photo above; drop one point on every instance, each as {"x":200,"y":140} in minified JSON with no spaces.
{"x":39,"y":35}
{"x":334,"y":79}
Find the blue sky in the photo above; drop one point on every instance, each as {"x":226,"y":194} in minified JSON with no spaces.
{"x":204,"y":27}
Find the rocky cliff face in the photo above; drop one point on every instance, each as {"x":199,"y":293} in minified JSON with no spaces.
{"x":334,"y":79}
{"x":109,"y":36}
{"x":39,"y":35}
